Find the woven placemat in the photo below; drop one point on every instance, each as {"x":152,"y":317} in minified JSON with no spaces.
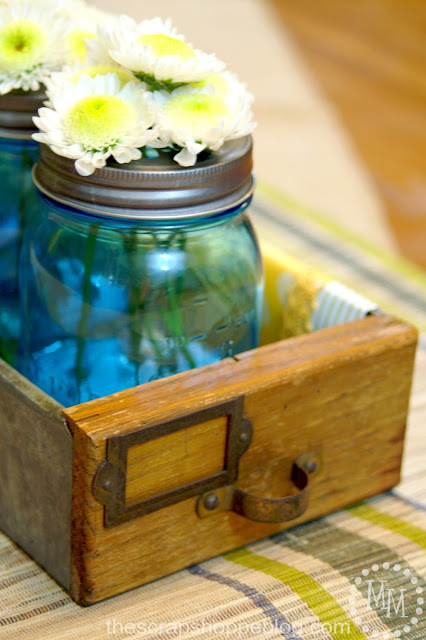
{"x":310,"y":582}
{"x":359,"y":573}
{"x":299,"y":584}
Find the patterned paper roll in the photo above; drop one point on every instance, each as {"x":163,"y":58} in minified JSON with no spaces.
{"x":300,"y":299}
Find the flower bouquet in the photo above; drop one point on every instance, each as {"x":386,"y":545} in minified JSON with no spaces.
{"x":142,"y":85}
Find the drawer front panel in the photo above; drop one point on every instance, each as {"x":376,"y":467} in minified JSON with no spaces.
{"x":161,"y":483}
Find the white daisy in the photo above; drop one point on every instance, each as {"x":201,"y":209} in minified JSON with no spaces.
{"x":225,"y":85}
{"x":200,"y":118}
{"x":123,"y":75}
{"x":31,"y":44}
{"x":71,"y":74}
{"x":95,"y":118}
{"x":97,"y":61}
{"x":157,"y":54}
{"x":97,"y":52}
{"x":85,"y":23}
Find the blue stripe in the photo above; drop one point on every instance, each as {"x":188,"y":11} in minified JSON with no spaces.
{"x":341,"y":253}
{"x":279,"y":621}
{"x":411,"y":503}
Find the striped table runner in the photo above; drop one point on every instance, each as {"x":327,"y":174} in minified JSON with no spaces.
{"x":357,"y":574}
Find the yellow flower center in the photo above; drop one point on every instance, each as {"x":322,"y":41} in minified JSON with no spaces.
{"x":22,"y":44}
{"x":77,"y":46}
{"x":98,"y":122}
{"x":167,"y":46}
{"x":196,"y":113}
{"x":102,"y":70}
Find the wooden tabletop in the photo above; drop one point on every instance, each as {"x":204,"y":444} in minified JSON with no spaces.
{"x":369,"y":57}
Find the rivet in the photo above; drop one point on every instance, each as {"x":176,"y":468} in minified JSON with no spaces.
{"x":107,"y":485}
{"x":211,"y":502}
{"x":244,"y":436}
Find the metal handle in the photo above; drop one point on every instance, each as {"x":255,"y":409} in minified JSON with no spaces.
{"x":272,"y":510}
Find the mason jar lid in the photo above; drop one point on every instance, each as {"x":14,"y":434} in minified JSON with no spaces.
{"x":152,"y":188}
{"x":16,"y":113}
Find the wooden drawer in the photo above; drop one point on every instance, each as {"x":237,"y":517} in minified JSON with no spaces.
{"x":120,"y":491}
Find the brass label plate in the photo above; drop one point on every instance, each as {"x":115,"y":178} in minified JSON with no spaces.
{"x":165,"y":463}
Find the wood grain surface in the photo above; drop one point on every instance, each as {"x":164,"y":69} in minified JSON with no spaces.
{"x":342,"y":391}
{"x":183,"y":455}
{"x":370,"y":59}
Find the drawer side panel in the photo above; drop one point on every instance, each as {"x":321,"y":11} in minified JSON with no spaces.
{"x":35,"y":473}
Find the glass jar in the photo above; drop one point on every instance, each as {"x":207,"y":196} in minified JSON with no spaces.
{"x":18,"y":203}
{"x":138,"y":272}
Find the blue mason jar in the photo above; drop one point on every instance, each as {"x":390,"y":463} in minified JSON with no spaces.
{"x":138,"y":272}
{"x":18,"y":204}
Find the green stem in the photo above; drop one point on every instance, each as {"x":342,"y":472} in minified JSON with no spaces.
{"x":85,"y":308}
{"x":209,"y":285}
{"x":54,"y":240}
{"x":176,"y":323}
{"x":134,"y":301}
{"x":154,"y":343}
{"x":138,"y":319}
{"x":27,"y":163}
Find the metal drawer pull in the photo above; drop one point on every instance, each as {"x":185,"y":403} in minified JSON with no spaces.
{"x":272,"y":510}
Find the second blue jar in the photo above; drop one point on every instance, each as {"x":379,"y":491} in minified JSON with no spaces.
{"x":138,"y":272}
{"x":18,"y":204}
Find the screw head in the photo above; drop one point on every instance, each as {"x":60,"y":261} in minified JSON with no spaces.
{"x":311,"y":465}
{"x":244,"y":437}
{"x":211,"y":502}
{"x":107,"y":485}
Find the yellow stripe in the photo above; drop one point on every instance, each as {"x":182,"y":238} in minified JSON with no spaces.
{"x":384,"y":520}
{"x":324,"y":605}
